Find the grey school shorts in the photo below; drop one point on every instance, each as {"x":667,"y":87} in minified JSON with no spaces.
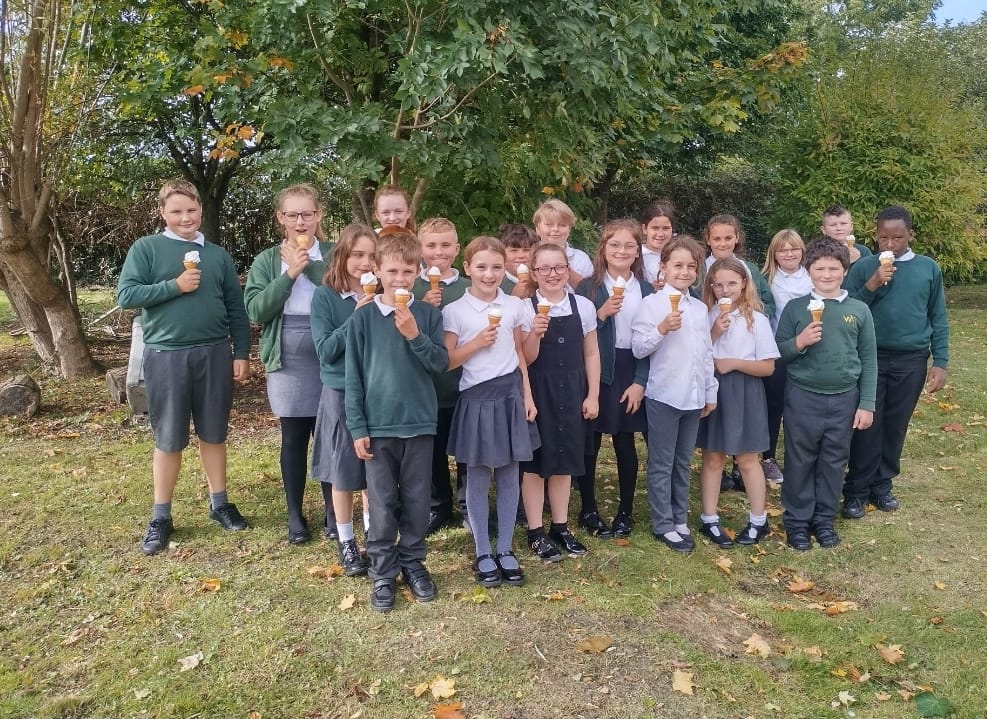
{"x":194,"y":383}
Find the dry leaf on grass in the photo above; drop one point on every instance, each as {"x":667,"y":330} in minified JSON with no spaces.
{"x":449,"y":710}
{"x":799,"y":585}
{"x":75,"y":636}
{"x":882,"y":696}
{"x":814,"y":653}
{"x":442,"y":688}
{"x":831,"y":609}
{"x":682,"y":682}
{"x":190,"y":662}
{"x":347,"y":602}
{"x":595,"y":644}
{"x":558,"y":595}
{"x":723,"y":564}
{"x":141,"y":693}
{"x":622,"y":542}
{"x":254,"y":715}
{"x":210,"y":585}
{"x":940,"y":586}
{"x":479,"y":595}
{"x":891,"y":653}
{"x":844,"y":699}
{"x":325,"y":572}
{"x":757,"y":645}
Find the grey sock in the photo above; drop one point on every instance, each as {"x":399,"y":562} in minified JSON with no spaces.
{"x":217,"y":499}
{"x":478,"y":507}
{"x":508,"y":495}
{"x":161,"y":511}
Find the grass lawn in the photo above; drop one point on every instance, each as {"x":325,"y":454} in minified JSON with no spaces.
{"x":891,"y":624}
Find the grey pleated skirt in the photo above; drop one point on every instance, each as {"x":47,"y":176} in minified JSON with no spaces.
{"x":739,"y":423}
{"x":333,"y":458}
{"x":294,"y":390}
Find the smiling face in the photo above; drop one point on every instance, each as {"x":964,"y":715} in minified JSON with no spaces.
{"x":182,"y":215}
{"x":486,"y":272}
{"x":728,"y":284}
{"x":395,"y":273}
{"x":517,"y":256}
{"x":722,"y":240}
{"x":827,"y":275}
{"x":551,"y":272}
{"x":620,"y":251}
{"x":392,"y":210}
{"x":657,"y":232}
{"x":361,"y":259}
{"x":837,"y":226}
{"x":298,"y":215}
{"x":554,"y":229}
{"x":788,"y":257}
{"x":681,"y":269}
{"x":894,"y":235}
{"x":439,"y":249}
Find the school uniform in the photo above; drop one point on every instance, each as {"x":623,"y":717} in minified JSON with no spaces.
{"x":652,"y":264}
{"x":579,"y":261}
{"x":754,"y":275}
{"x":739,"y":424}
{"x":559,"y":385}
{"x":681,"y":383}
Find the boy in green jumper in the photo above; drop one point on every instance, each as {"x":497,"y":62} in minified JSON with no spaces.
{"x":907,"y":299}
{"x":395,"y":350}
{"x":837,"y":222}
{"x":192,"y":307}
{"x":832,"y":373}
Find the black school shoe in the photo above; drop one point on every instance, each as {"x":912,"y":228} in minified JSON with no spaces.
{"x":488,"y":578}
{"x":299,"y":535}
{"x":683,"y":546}
{"x":826,"y":536}
{"x":714,"y":533}
{"x":382,"y":595}
{"x":329,"y":527}
{"x":157,"y":535}
{"x":228,"y":516}
{"x":622,"y":525}
{"x":853,"y":508}
{"x":420,"y":582}
{"x":350,"y":559}
{"x":436,"y":520}
{"x":545,"y":549}
{"x":512,"y":577}
{"x":593,"y":523}
{"x":798,"y":539}
{"x":886,"y":502}
{"x":753,"y":533}
{"x":567,"y":542}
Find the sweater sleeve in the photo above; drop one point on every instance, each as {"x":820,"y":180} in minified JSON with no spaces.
{"x":134,"y":288}
{"x":867,"y":351}
{"x":266,"y":292}
{"x":787,"y":331}
{"x":236,"y":315}
{"x":429,"y":346}
{"x":763,"y":290}
{"x":355,"y":388}
{"x":856,"y":280}
{"x":329,"y":338}
{"x":938,"y":321}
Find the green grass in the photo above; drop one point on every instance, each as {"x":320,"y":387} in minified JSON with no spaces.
{"x":90,"y":628}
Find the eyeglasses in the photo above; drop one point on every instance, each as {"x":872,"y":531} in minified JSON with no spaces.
{"x":789,"y":251}
{"x":292,"y":216}
{"x":720,"y":286}
{"x":557,"y":269}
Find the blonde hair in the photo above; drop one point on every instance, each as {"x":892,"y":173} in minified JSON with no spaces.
{"x":336,"y":277}
{"x":483,"y":243}
{"x":385,"y":190}
{"x":399,"y":245}
{"x":177,"y":187}
{"x":553,"y":209}
{"x":600,"y":259}
{"x":309,"y":192}
{"x":748,"y":303}
{"x":437,"y":225}
{"x":778,"y":242}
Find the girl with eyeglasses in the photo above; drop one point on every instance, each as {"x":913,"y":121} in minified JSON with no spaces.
{"x":278,"y":296}
{"x":616,"y":287}
{"x":559,"y":344}
{"x":744,"y":352}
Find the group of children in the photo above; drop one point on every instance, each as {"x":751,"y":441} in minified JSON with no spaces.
{"x":389,"y":361}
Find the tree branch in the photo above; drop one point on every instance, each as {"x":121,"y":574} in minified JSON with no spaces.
{"x":462,"y":101}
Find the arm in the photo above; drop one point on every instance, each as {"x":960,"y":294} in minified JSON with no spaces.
{"x":355,"y":392}
{"x":429,"y":346}
{"x":236,"y":315}
{"x":135,"y":289}
{"x":755,"y":368}
{"x":763,"y":290}
{"x":329,"y":339}
{"x":867,"y":350}
{"x":591,"y":360}
{"x":459,"y":355}
{"x":531,"y":342}
{"x":530,"y":411}
{"x":791,"y":341}
{"x":645,"y":336}
{"x":940,"y":334}
{"x":266,"y":290}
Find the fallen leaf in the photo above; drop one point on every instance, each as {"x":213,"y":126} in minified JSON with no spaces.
{"x":347,"y":602}
{"x":838,"y":672}
{"x":254,"y":715}
{"x":831,"y":609}
{"x":190,"y":662}
{"x":595,"y":644}
{"x":814,"y":653}
{"x":558,"y":595}
{"x":940,"y":586}
{"x":799,"y":585}
{"x":929,"y":705}
{"x":954,"y":427}
{"x":75,"y":636}
{"x":905,"y":694}
{"x":449,"y":710}
{"x":723,"y":564}
{"x":682,"y":682}
{"x":845,"y":698}
{"x":935,"y":620}
{"x":882,"y":696}
{"x":442,"y":688}
{"x":479,"y":595}
{"x":421,"y":689}
{"x":622,"y":542}
{"x":210,"y":585}
{"x":757,"y":645}
{"x":325,"y":572}
{"x":142,"y":693}
{"x":891,"y":653}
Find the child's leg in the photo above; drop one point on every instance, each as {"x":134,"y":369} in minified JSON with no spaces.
{"x":754,"y":484}
{"x":507,"y":498}
{"x":559,"y":489}
{"x":709,"y":481}
{"x":533,"y":496}
{"x":213,"y":457}
{"x":774,"y":394}
{"x":164,"y":470}
{"x":366,"y":511}
{"x":587,"y":480}
{"x":802,"y":421}
{"x":478,"y":509}
{"x":834,"y":450}
{"x":414,"y":498}
{"x":342,"y":505}
{"x":662,"y":433}
{"x":295,"y":434}
{"x":382,"y":486}
{"x":685,"y":443}
{"x":441,"y":486}
{"x":626,"y":452}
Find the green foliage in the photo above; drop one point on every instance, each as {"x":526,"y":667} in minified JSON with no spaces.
{"x":887,"y":124}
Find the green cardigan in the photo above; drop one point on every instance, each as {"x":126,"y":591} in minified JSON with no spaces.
{"x":266,"y":292}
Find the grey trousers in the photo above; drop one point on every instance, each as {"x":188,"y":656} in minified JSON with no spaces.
{"x":671,"y":441}
{"x":399,"y":479}
{"x":818,"y":430}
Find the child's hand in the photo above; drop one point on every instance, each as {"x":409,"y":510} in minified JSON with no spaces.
{"x":707,"y":410}
{"x":659,"y":281}
{"x":362,"y":448}
{"x":524,"y":290}
{"x":365,"y":299}
{"x":486,"y":337}
{"x":610,"y":307}
{"x":188,"y":281}
{"x":539,"y":325}
{"x":935,"y":380}
{"x":405,"y":322}
{"x":434,"y":297}
{"x":672,"y":322}
{"x":862,"y":419}
{"x":530,"y":411}
{"x":809,"y":336}
{"x":720,"y":325}
{"x":241,"y":370}
{"x":882,"y":276}
{"x":633,"y":395}
{"x":723,"y":365}
{"x":591,"y":407}
{"x":295,"y":257}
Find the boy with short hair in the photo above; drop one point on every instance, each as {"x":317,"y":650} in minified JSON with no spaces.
{"x":832,"y":374}
{"x":192,"y":307}
{"x":553,"y":221}
{"x":906,"y":296}
{"x":838,"y":224}
{"x":518,"y":241}
{"x":440,"y":248}
{"x":395,"y":350}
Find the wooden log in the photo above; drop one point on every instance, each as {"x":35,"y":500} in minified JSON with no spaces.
{"x":20,"y":396}
{"x":116,"y":383}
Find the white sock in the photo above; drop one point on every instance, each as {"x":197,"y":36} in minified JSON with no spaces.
{"x":683,"y":529}
{"x":709,"y":518}
{"x":366,"y":522}
{"x":345,"y":531}
{"x":758,"y":519}
{"x":672,"y":536}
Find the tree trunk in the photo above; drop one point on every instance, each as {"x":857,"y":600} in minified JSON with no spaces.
{"x":32,"y":316}
{"x":602,"y":192}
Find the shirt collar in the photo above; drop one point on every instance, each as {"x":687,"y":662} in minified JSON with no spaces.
{"x":842,"y":296}
{"x":799,"y":272}
{"x":645,"y":250}
{"x":481,"y":305}
{"x":563,"y":301}
{"x":200,"y":239}
{"x":609,"y":281}
{"x":347,"y":295}
{"x":389,"y":309}
{"x":445,"y":280}
{"x":908,"y":255}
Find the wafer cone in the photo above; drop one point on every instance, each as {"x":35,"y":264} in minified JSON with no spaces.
{"x":674,"y":300}
{"x":303,"y":241}
{"x":433,"y":282}
{"x":816,"y":315}
{"x":543,"y":309}
{"x":618,"y":291}
{"x":191,"y":265}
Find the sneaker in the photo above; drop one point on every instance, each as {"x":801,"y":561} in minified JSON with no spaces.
{"x":350,"y":559}
{"x":228,"y":516}
{"x":545,"y":550}
{"x":568,"y":542}
{"x":382,"y":595}
{"x":157,"y":535}
{"x":420,"y":582}
{"x":772,"y":472}
{"x":714,"y":532}
{"x":593,"y":523}
{"x":853,"y":508}
{"x":753,"y":533}
{"x":887,"y":502}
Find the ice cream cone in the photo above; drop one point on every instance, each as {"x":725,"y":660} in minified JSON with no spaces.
{"x":401,"y":297}
{"x":303,"y":241}
{"x":618,"y":291}
{"x":543,"y":308}
{"x":433,"y":282}
{"x":725,"y":305}
{"x":494,"y":320}
{"x":816,"y":315}
{"x":370,"y":288}
{"x":190,"y":265}
{"x":674,"y":300}
{"x":887,"y":261}
{"x":850,"y":240}
{"x":523,"y":276}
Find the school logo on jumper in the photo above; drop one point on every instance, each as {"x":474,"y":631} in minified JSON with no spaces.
{"x":850,"y":319}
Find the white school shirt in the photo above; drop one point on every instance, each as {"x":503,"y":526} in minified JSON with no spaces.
{"x":388,"y":309}
{"x":199,"y":238}
{"x":786,"y":287}
{"x":738,"y":342}
{"x":681,"y":373}
{"x":299,"y":302}
{"x":579,"y":261}
{"x":652,"y":263}
{"x":622,"y":320}
{"x":587,"y":312}
{"x":466,"y":318}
